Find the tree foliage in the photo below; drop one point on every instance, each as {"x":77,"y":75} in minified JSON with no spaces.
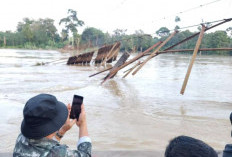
{"x":177,"y":19}
{"x":71,"y":22}
{"x":42,"y":33}
{"x":33,"y":33}
{"x":93,"y":35}
{"x":229,"y":31}
{"x":163,"y":31}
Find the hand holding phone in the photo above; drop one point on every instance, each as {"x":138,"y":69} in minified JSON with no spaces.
{"x":76,"y":107}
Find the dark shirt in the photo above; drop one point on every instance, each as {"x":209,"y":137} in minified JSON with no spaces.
{"x":227,"y":151}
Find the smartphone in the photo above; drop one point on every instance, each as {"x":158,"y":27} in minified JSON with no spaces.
{"x":76,"y":107}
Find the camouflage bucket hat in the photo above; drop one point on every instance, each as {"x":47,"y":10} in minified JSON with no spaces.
{"x":43,"y":115}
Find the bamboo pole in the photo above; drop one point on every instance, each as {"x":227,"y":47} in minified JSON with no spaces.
{"x":193,"y":59}
{"x":202,"y":49}
{"x":131,"y":69}
{"x":100,"y":72}
{"x":154,"y":53}
{"x":187,"y":50}
{"x":4,"y":41}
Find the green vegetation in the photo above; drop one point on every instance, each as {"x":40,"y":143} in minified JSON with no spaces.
{"x":71,"y":23}
{"x":42,"y":33}
{"x":93,"y":36}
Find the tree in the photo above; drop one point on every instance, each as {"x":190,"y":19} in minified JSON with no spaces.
{"x":180,"y":36}
{"x":38,"y":32}
{"x":229,"y":31}
{"x":142,"y":40}
{"x":71,"y":23}
{"x":177,"y":27}
{"x":26,"y":21}
{"x":177,"y":19}
{"x":93,"y":35}
{"x":119,"y":32}
{"x":216,"y":39}
{"x":120,"y":35}
{"x":11,"y":38}
{"x":64,"y":34}
{"x":25,"y":28}
{"x":128,"y":44}
{"x":44,"y":31}
{"x":49,"y":27}
{"x":163,"y":32}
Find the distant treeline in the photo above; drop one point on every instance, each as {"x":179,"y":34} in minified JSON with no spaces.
{"x":42,"y":33}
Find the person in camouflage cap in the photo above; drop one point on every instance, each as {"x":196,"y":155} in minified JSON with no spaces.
{"x":45,"y":122}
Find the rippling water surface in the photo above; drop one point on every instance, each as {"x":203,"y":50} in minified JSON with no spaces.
{"x":141,"y":112}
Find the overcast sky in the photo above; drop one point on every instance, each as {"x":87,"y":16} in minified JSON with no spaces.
{"x":109,"y":15}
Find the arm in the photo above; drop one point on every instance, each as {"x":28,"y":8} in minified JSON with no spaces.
{"x":82,"y":124}
{"x":67,"y":126}
{"x":84,"y":145}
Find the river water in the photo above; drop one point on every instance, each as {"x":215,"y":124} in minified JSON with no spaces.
{"x":141,"y":112}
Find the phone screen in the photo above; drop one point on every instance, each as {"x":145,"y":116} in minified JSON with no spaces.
{"x":76,"y":107}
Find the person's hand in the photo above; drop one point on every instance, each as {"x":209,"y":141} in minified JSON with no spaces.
{"x":82,"y":117}
{"x":68,"y":124}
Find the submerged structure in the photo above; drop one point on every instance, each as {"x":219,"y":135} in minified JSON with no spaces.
{"x":108,"y":53}
{"x":84,"y":58}
{"x":105,"y":54}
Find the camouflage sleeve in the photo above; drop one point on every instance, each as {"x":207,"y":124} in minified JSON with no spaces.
{"x":83,"y":150}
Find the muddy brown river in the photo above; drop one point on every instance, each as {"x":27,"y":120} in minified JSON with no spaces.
{"x":141,"y":112}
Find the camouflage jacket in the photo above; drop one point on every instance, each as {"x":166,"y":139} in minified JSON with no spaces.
{"x":48,"y":148}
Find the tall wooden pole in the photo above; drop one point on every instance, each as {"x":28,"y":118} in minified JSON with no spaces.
{"x":193,"y":59}
{"x":154,"y":53}
{"x":4,"y":40}
{"x":100,"y":72}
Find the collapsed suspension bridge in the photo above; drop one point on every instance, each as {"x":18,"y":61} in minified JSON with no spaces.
{"x":109,"y":53}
